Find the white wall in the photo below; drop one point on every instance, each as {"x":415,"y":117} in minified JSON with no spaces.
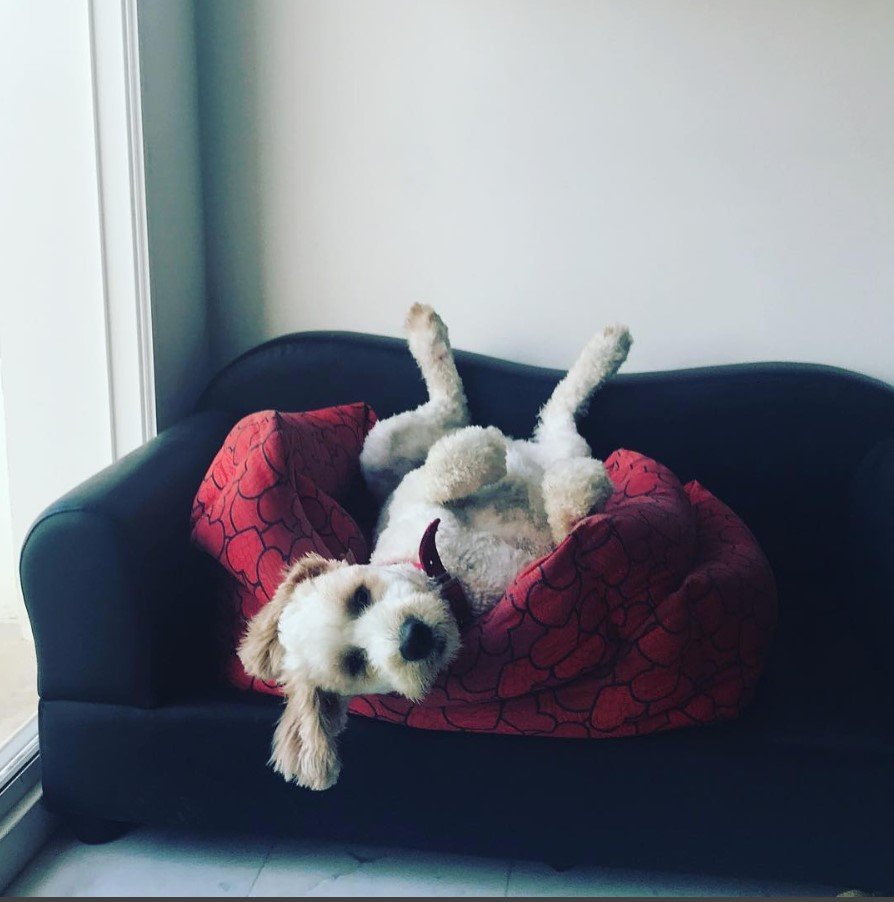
{"x":718,"y":175}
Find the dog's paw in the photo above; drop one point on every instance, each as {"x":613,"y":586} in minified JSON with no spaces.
{"x":318,"y":770}
{"x":296,"y":764}
{"x":572,"y":490}
{"x":618,"y":333}
{"x":490,"y":456}
{"x":617,"y":336}
{"x":426,"y":331}
{"x":465,"y":461}
{"x":421,"y":317}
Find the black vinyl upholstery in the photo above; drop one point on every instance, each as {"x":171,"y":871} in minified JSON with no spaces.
{"x":134,"y":729}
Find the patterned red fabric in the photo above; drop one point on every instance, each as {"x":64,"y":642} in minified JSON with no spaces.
{"x":272,"y":495}
{"x":656,"y":613}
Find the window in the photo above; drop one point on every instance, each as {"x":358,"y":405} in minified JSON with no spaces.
{"x":18,"y":667}
{"x":76,"y":387}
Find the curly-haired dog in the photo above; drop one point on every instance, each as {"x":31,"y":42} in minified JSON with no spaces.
{"x":336,"y":629}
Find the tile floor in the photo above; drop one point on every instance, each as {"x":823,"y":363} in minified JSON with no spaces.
{"x":183,"y":863}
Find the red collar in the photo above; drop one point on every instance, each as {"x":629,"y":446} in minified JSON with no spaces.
{"x":430,"y":562}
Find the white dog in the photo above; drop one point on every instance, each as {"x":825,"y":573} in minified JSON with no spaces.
{"x":336,"y":629}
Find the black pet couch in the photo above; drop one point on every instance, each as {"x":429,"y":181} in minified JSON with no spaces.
{"x":135,"y":729}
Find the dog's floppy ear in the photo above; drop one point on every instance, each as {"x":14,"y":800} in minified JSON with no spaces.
{"x":260,"y":650}
{"x":304,"y":745}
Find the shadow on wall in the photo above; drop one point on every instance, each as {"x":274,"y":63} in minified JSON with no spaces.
{"x":232,"y":173}
{"x":180,"y":319}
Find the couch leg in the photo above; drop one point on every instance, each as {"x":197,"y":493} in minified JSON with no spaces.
{"x":94,"y":831}
{"x":561,"y":863}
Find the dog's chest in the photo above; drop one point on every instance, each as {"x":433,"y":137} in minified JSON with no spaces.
{"x":484,"y":539}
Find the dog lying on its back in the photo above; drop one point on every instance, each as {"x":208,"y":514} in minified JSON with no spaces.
{"x":336,"y":629}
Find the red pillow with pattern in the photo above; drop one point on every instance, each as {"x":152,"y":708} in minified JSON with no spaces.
{"x":655,"y":613}
{"x":275,"y":492}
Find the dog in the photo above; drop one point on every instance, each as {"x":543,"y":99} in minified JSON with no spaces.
{"x":337,"y":629}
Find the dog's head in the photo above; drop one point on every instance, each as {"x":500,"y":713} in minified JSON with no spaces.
{"x":334,"y":630}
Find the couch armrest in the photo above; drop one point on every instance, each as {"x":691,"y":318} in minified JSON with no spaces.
{"x":110,"y":580}
{"x":871,"y":539}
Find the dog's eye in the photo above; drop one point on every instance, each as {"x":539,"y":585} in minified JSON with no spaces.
{"x":355,"y":661}
{"x":359,"y":601}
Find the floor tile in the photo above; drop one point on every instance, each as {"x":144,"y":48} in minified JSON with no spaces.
{"x":532,"y":879}
{"x":188,"y":863}
{"x":323,"y":869}
{"x":145,"y":862}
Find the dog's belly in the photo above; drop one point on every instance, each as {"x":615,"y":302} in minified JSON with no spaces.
{"x":486,"y":549}
{"x":484,"y":540}
{"x":509,"y":511}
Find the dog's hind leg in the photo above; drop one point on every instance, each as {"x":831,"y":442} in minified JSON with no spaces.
{"x":429,"y":343}
{"x":574,"y":483}
{"x":600,"y":359}
{"x":400,"y":443}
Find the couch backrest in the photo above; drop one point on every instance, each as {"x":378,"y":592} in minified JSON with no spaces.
{"x":778,"y":442}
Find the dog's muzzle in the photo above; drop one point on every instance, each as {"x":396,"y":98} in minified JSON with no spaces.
{"x":416,"y":640}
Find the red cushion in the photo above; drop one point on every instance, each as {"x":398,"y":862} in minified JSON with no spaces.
{"x":653,"y":614}
{"x":272,"y":495}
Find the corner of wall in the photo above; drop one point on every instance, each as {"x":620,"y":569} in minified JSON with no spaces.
{"x":175,"y":208}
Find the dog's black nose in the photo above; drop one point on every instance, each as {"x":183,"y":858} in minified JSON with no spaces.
{"x":416,"y":639}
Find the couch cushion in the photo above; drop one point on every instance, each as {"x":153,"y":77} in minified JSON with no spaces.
{"x":716,"y":798}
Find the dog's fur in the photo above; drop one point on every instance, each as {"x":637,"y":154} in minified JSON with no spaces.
{"x":334,"y":629}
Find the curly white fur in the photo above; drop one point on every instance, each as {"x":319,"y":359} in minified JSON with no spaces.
{"x":398,"y":444}
{"x":502,"y":502}
{"x":335,"y":629}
